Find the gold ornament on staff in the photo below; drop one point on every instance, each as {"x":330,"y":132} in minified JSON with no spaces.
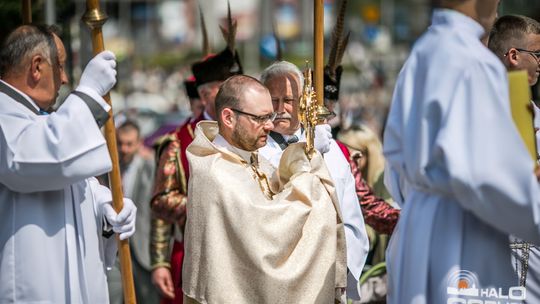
{"x":95,"y":19}
{"x":310,"y":112}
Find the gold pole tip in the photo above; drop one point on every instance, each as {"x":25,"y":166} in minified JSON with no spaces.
{"x":94,"y":18}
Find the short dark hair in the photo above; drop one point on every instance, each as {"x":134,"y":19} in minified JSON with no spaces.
{"x":24,"y":42}
{"x":509,"y":31}
{"x":231,"y":92}
{"x":129,"y":125}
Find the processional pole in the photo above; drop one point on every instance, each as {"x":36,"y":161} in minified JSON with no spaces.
{"x":95,"y":19}
{"x":318,"y":58}
{"x":318,"y":50}
{"x":311,"y":109}
{"x":26,"y":11}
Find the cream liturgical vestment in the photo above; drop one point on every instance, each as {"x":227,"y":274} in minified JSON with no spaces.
{"x":244,"y":247}
{"x":459,"y":170}
{"x":353,"y":220}
{"x":51,"y":245}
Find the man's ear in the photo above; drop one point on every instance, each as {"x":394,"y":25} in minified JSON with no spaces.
{"x":37,"y":64}
{"x":512,"y":57}
{"x":227,"y":117}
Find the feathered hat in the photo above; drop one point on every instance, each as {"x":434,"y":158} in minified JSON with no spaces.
{"x":333,"y":69}
{"x":190,"y":84}
{"x":223,"y":65}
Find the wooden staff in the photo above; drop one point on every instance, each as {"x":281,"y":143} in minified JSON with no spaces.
{"x":26,"y":11}
{"x":95,"y":19}
{"x":318,"y":60}
{"x":318,"y":50}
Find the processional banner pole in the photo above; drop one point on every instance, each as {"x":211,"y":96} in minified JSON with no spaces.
{"x":26,"y":11}
{"x":311,"y":109}
{"x":95,"y":19}
{"x":318,"y":50}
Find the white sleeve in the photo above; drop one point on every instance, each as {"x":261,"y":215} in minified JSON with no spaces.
{"x":393,"y":182}
{"x":46,"y":153}
{"x":103,"y":195}
{"x":393,"y":147}
{"x":355,"y":228}
{"x":489,"y":168}
{"x":353,"y":220}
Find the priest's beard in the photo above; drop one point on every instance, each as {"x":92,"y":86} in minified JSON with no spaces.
{"x":245,"y":140}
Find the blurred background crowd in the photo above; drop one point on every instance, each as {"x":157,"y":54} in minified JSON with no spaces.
{"x":156,"y":41}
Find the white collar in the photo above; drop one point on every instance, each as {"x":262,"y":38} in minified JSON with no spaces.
{"x":457,"y":19}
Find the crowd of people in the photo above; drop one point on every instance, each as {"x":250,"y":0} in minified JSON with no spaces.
{"x":230,"y":207}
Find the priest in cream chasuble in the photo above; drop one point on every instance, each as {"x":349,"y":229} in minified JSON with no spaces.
{"x":256,"y":236}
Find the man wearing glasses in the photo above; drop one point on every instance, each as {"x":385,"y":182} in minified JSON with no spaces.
{"x":253,"y":236}
{"x":516,"y":41}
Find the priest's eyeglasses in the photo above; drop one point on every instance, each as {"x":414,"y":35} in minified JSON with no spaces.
{"x":260,"y":119}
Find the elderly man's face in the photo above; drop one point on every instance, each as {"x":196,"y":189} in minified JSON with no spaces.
{"x":285,"y":90}
{"x":248,"y":133}
{"x":53,"y":77}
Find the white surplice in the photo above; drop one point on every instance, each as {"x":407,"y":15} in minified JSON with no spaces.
{"x":51,"y":244}
{"x":355,"y":231}
{"x":452,"y":146}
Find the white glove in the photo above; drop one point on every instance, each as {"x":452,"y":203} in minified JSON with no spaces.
{"x":323,"y":135}
{"x":123,"y":222}
{"x":99,"y":75}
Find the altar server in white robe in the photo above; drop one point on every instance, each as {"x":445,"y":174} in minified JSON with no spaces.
{"x":515,"y":40}
{"x":451,"y":141}
{"x":53,"y":213}
{"x":285,"y":81}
